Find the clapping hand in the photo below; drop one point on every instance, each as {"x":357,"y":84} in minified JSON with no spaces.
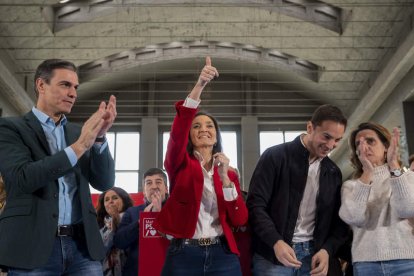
{"x":393,"y":150}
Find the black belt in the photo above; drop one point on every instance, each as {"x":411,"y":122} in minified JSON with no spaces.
{"x":201,"y":241}
{"x":72,"y":230}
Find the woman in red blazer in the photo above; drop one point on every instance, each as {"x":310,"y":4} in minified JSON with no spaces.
{"x":205,"y":201}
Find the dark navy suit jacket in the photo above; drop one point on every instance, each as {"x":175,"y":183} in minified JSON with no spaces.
{"x":29,"y":221}
{"x":126,"y":237}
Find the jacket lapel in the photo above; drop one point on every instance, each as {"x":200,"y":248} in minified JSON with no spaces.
{"x":71,"y":134}
{"x":35,"y":125}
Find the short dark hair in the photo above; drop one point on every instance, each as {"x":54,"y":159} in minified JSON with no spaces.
{"x":328,"y":112}
{"x":45,"y":70}
{"x":217,"y":146}
{"x":100,"y":209}
{"x":155,"y":171}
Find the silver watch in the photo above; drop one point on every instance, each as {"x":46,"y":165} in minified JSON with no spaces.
{"x":398,"y":172}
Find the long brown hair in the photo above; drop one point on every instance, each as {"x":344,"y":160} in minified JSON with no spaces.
{"x":383,"y":134}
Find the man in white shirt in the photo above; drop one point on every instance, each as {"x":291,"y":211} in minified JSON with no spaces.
{"x":294,"y":198}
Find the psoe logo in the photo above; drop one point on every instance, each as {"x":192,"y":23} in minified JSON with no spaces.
{"x":149,"y":231}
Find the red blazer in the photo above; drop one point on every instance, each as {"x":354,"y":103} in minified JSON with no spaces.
{"x":179,"y":215}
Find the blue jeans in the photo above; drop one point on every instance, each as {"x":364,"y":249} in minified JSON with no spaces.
{"x":304,"y":252}
{"x":69,"y":257}
{"x":386,"y":268}
{"x":192,"y":260}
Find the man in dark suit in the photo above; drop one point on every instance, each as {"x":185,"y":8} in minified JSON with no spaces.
{"x":126,"y":237}
{"x":48,"y":226}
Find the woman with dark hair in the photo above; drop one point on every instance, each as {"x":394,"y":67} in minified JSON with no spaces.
{"x":205,"y":200}
{"x":378,"y":203}
{"x":111,"y":206}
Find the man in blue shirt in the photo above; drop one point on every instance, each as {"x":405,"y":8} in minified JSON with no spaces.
{"x":49,"y":224}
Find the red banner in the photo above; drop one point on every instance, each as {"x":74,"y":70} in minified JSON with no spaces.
{"x":152,"y":246}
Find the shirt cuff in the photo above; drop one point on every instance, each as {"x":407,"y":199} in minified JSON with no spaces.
{"x":73,"y":159}
{"x":230,"y":194}
{"x":191,"y":103}
{"x":100,"y":147}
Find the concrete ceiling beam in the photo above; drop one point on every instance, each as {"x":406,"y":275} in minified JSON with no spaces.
{"x":391,"y":74}
{"x":13,"y":91}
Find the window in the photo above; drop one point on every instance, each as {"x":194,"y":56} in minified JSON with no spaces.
{"x":269,"y":139}
{"x":291,"y":135}
{"x":272,"y":138}
{"x":229,"y":143}
{"x":124,"y":147}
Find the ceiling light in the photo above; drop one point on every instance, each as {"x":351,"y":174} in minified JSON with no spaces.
{"x":63,"y":1}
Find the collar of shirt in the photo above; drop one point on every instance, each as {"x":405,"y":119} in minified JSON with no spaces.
{"x":317,"y":160}
{"x":48,"y":121}
{"x":200,"y":158}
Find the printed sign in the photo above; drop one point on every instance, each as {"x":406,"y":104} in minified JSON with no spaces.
{"x":149,"y":231}
{"x":152,"y":246}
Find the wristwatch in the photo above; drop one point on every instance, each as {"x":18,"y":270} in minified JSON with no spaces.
{"x":100,"y":139}
{"x":398,"y":172}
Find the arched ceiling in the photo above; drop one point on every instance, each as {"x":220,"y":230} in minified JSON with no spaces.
{"x":278,"y":59}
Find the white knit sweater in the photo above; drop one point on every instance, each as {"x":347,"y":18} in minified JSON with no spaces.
{"x":378,"y":213}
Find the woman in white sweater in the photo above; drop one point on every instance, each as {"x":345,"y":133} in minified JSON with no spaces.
{"x":378,"y":204}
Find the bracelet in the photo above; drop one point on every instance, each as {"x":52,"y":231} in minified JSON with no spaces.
{"x":231,"y":185}
{"x":100,"y":139}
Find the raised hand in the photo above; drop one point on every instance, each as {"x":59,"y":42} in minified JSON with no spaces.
{"x":222,"y":162}
{"x":114,"y":214}
{"x":286,"y":255}
{"x":109,"y":116}
{"x":367,"y":166}
{"x":97,"y":125}
{"x":207,"y":74}
{"x":156,"y":203}
{"x":362,"y":149}
{"x":393,"y":150}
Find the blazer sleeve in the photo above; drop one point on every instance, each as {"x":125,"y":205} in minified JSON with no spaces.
{"x":262,"y":184}
{"x":237,"y":213}
{"x":354,"y":206}
{"x":177,"y":144}
{"x":102,"y":169}
{"x":128,"y":230}
{"x":18,"y":147}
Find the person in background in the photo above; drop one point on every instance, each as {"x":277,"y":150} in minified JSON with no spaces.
{"x":294,"y":199}
{"x":111,"y":207}
{"x":155,"y":193}
{"x":205,"y":198}
{"x":49,"y":226}
{"x":411,"y":162}
{"x":378,"y":204}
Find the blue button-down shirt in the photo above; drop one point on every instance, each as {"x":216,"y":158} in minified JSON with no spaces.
{"x":69,"y":210}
